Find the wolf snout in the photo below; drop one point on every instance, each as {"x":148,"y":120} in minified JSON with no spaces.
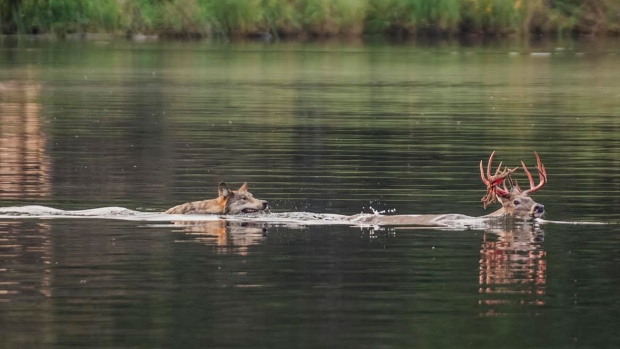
{"x":265,"y":204}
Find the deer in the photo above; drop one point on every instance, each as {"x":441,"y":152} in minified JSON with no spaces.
{"x":500,"y":187}
{"x":515,"y":201}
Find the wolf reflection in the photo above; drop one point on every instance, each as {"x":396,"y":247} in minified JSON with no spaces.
{"x":228,"y":237}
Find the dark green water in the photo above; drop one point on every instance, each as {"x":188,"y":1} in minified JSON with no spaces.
{"x":325,"y":128}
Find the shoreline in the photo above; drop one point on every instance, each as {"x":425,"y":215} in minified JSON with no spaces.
{"x":266,"y":38}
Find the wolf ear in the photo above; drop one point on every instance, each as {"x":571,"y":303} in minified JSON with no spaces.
{"x":223,"y":190}
{"x":244,"y":187}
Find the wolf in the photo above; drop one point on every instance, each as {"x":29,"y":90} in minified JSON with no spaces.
{"x":227,"y":202}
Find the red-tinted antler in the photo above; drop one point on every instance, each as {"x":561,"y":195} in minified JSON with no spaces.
{"x":542,"y":175}
{"x":493,"y":182}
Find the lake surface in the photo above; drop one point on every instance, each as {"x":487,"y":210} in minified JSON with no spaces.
{"x":316,"y":129}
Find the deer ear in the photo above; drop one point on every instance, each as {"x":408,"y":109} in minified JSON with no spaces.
{"x":504,"y":195}
{"x":222,"y":190}
{"x":244,"y":187}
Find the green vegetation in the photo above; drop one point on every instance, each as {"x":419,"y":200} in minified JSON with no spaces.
{"x":310,"y":17}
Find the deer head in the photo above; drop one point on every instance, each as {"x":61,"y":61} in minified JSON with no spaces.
{"x":515,"y":202}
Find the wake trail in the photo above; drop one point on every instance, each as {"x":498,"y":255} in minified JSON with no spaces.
{"x":122,"y":213}
{"x":285,"y":218}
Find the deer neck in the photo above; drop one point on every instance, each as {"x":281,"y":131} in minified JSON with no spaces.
{"x":500,"y":212}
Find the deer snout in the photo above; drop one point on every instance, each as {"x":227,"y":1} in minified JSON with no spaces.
{"x":538,"y":210}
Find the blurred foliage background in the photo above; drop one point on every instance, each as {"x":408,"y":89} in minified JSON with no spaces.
{"x":313,"y":18}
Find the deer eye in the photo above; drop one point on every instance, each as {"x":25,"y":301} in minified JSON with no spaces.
{"x":516,"y":202}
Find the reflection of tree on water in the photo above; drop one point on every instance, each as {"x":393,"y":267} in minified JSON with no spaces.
{"x":25,"y":260}
{"x":25,"y":246}
{"x":513,"y":269}
{"x":228,"y":237}
{"x":24,"y":164}
{"x":26,"y":280}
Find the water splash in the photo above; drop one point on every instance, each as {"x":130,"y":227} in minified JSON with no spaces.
{"x":377,"y":212}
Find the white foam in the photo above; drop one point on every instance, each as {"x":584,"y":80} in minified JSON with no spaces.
{"x":450,"y":221}
{"x":122,"y":213}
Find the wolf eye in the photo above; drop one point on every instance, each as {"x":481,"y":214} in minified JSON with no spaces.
{"x":516,"y":202}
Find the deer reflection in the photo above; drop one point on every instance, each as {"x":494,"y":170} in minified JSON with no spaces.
{"x":513,"y":269}
{"x":226,"y":236}
{"x":24,"y":164}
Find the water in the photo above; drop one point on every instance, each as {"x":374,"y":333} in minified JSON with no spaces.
{"x":318,"y":129}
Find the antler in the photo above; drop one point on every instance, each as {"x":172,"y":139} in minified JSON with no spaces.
{"x":493,"y":182}
{"x":542,"y":175}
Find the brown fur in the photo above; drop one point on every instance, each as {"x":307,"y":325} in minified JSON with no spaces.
{"x":515,"y":202}
{"x":227,"y":202}
{"x":519,"y":205}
